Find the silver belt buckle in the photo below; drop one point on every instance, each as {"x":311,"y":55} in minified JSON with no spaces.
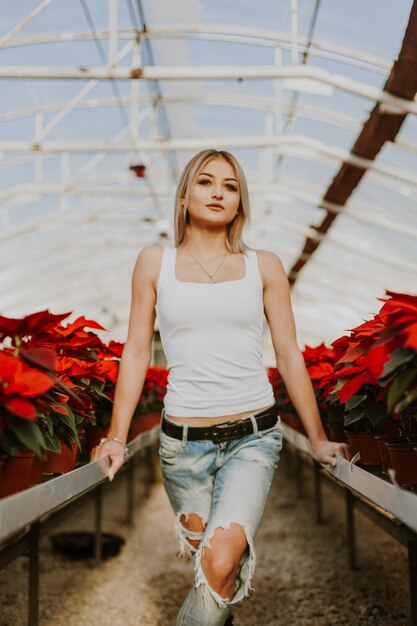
{"x":219,"y":433}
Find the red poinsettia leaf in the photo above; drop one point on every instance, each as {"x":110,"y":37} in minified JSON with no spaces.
{"x":405,"y":299}
{"x":29,"y":325}
{"x":59,"y":408}
{"x":351,"y":355}
{"x":29,"y":384}
{"x":377,"y":357}
{"x":411,"y":334}
{"x":10,"y":365}
{"x":351,"y":370}
{"x":351,"y":387}
{"x":116,"y":348}
{"x":320,"y":370}
{"x":21,"y":408}
{"x":62,"y":397}
{"x":45,"y":357}
{"x":81,"y":322}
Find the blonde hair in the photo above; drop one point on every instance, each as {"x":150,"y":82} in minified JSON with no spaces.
{"x":234,"y":241}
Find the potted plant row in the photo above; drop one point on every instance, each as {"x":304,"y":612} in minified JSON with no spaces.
{"x":56,"y":395}
{"x":366,"y":388}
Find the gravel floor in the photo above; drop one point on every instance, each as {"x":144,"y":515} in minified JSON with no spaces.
{"x":301,"y":578}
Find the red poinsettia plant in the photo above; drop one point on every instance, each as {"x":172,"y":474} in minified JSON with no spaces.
{"x":399,"y":376}
{"x":377,"y":373}
{"x":284,"y":404}
{"x":28,"y":398}
{"x":153,"y":392}
{"x":81,"y":368}
{"x":320,"y":366}
{"x":319,"y":362}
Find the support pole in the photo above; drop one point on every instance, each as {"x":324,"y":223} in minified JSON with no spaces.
{"x":33,"y":613}
{"x":130,"y":490}
{"x":412,"y":573}
{"x":148,"y":470}
{"x":350,"y":522}
{"x":318,"y":494}
{"x":299,"y":475}
{"x":98,"y":524}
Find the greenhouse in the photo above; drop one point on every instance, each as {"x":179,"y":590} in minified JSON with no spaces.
{"x":269,"y":438}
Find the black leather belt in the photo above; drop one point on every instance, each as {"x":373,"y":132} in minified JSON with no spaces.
{"x":225,"y":430}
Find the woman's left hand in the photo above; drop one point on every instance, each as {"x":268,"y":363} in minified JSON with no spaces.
{"x":325,"y":451}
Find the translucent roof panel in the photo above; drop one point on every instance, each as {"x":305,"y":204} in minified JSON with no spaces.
{"x":297,"y":90}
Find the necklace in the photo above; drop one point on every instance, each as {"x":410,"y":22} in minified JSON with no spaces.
{"x":211,"y":276}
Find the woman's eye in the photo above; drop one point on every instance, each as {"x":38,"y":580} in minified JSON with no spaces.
{"x":228,"y":186}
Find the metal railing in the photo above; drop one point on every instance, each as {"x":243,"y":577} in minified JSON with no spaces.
{"x":393,"y":509}
{"x":28,"y":516}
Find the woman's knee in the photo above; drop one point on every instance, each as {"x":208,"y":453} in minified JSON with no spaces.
{"x":217,"y":565}
{"x":221,"y":558}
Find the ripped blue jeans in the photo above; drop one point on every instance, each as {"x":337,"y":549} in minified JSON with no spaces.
{"x":223,"y":483}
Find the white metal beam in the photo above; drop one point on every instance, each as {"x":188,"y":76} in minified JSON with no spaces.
{"x":295,"y":145}
{"x":392,"y":103}
{"x":273,"y":105}
{"x":7,"y":38}
{"x":236,"y":34}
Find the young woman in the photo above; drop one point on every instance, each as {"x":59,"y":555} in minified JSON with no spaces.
{"x":221,"y":436}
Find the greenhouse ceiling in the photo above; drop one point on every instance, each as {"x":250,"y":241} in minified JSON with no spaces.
{"x":104,"y":102}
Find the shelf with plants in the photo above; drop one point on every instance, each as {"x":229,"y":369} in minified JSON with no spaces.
{"x":366,"y":389}
{"x":57,"y":386}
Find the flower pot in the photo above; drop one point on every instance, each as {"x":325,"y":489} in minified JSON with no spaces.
{"x":93,"y":434}
{"x":336,"y":432}
{"x":143,"y":423}
{"x":404,"y":461}
{"x":61,"y":462}
{"x":388,"y":427}
{"x":366,"y":445}
{"x":18,"y":473}
{"x":384,"y":454}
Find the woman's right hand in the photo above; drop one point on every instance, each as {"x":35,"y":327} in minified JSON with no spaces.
{"x":116,"y":453}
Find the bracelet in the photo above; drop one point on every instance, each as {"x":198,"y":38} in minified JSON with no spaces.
{"x":104,"y":439}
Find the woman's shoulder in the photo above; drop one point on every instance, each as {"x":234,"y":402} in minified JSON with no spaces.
{"x":269,"y":264}
{"x":149,"y":261}
{"x":267,"y":257}
{"x":151,"y":252}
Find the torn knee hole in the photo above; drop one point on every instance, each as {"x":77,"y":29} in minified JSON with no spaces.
{"x":193,"y":527}
{"x":190,"y":528}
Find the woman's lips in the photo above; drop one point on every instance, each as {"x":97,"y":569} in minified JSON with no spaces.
{"x":215,"y":207}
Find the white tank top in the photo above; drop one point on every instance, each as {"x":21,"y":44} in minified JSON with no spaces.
{"x":211,"y":334}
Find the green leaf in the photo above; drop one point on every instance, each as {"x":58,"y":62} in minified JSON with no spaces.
{"x":29,"y":435}
{"x":375,"y":411}
{"x":52,"y":442}
{"x":351,"y":418}
{"x":338,"y":386}
{"x":399,"y":357}
{"x":398,"y":387}
{"x":65,"y":388}
{"x":410,"y":397}
{"x":9,"y":444}
{"x":102,"y":394}
{"x":355,"y":401}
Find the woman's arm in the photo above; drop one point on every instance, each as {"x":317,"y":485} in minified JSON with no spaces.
{"x":290,"y":361}
{"x":136,"y":355}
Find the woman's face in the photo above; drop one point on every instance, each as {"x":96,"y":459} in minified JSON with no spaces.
{"x":214,"y":195}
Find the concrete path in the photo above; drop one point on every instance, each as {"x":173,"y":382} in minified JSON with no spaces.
{"x":301,"y":578}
